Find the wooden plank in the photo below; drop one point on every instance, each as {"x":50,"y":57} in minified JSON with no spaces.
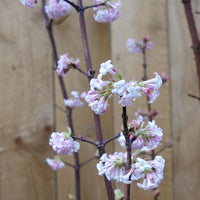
{"x":137,"y":19}
{"x":185,"y":110}
{"x":68,"y":39}
{"x":25,"y":104}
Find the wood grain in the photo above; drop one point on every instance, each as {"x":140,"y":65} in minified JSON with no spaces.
{"x":185,"y":110}
{"x":25,"y":104}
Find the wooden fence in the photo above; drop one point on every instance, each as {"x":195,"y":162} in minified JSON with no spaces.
{"x":29,"y":90}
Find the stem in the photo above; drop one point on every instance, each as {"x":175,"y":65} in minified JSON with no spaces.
{"x":90,"y":73}
{"x":84,"y":140}
{"x":150,"y":116}
{"x":194,"y":35}
{"x":193,"y":96}
{"x":87,"y":161}
{"x":65,"y":96}
{"x":128,"y":145}
{"x":111,"y":139}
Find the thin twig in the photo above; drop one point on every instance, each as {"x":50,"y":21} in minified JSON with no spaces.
{"x":194,"y":35}
{"x":60,"y":108}
{"x":65,"y":96}
{"x":76,"y":7}
{"x":111,"y":139}
{"x":193,"y":96}
{"x":87,"y":161}
{"x":80,"y":70}
{"x":95,"y":5}
{"x":68,"y":164}
{"x":82,"y":139}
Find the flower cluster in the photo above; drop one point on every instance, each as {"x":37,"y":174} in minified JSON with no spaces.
{"x":65,"y":63}
{"x":144,"y":138}
{"x":101,"y":91}
{"x":150,"y":171}
{"x":76,"y":100}
{"x":137,"y":47}
{"x":114,"y":168}
{"x":29,"y":3}
{"x":57,"y":8}
{"x":62,"y":143}
{"x":107,"y":12}
{"x":55,"y":163}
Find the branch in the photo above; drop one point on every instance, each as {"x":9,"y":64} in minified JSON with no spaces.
{"x":128,"y":146}
{"x":76,"y":7}
{"x":194,"y":35}
{"x":87,"y":161}
{"x":84,"y":140}
{"x":65,"y":96}
{"x":193,"y":96}
{"x":111,"y":139}
{"x":90,"y":73}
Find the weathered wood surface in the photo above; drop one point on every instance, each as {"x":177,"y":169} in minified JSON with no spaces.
{"x":25,"y":104}
{"x":137,"y":20}
{"x":185,"y":110}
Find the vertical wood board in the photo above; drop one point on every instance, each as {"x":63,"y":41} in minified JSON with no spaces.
{"x":25,"y":104}
{"x":185,"y":110}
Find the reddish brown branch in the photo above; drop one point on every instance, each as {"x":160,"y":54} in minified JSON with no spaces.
{"x":90,"y":73}
{"x":194,"y":35}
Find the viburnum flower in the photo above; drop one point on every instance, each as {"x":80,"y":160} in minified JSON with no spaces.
{"x":57,"y":8}
{"x":153,"y":177}
{"x":145,"y":138}
{"x":150,"y":87}
{"x":137,"y":47}
{"x":65,"y":63}
{"x":62,"y":143}
{"x":107,"y":12}
{"x":107,"y":67}
{"x":150,"y":171}
{"x":113,"y":165}
{"x":55,"y":163}
{"x":28,"y":3}
{"x":76,"y":100}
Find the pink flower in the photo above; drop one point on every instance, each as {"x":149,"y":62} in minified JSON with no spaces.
{"x":146,"y":138}
{"x":112,"y":166}
{"x":107,"y":67}
{"x":99,"y":106}
{"x":137,"y":47}
{"x":107,"y":13}
{"x":150,"y":87}
{"x":150,"y":171}
{"x":65,"y":63}
{"x":119,"y":87}
{"x":62,"y":143}
{"x":57,"y":8}
{"x":55,"y":163}
{"x":98,"y":83}
{"x":29,"y":3}
{"x":153,"y":177}
{"x":76,"y":100}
